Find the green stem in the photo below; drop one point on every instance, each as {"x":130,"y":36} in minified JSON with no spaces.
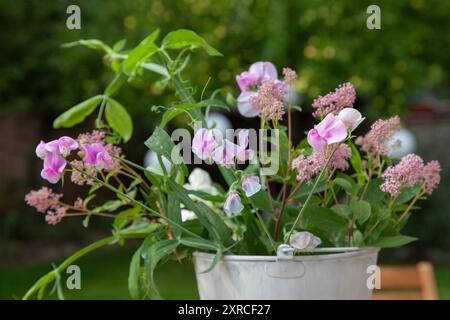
{"x":110,"y":187}
{"x":408,"y":208}
{"x":310,"y":194}
{"x":49,"y":277}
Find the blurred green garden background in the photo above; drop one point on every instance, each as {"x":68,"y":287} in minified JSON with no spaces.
{"x":401,"y":69}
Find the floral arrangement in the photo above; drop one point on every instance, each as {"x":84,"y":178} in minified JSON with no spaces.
{"x":331,"y":190}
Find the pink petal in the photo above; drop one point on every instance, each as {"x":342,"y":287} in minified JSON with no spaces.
{"x":266,"y":70}
{"x":245,"y":107}
{"x":315,"y":140}
{"x":337,"y":132}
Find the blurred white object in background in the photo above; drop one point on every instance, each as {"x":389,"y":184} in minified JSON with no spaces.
{"x":401,"y":143}
{"x":219,"y":121}
{"x":152,"y":164}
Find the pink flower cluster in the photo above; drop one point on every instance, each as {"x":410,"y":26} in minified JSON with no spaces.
{"x":343,"y":96}
{"x":46,"y":201}
{"x":269,"y":100}
{"x":408,"y":172}
{"x":308,"y":166}
{"x":54,"y":153}
{"x":96,"y":154}
{"x":380,"y":131}
{"x":431,"y":176}
{"x":206,"y":147}
{"x":92,"y":148}
{"x":262,"y":93}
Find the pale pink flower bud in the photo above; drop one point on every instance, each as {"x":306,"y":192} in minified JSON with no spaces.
{"x":251,"y":185}
{"x":96,"y":155}
{"x":54,"y":166}
{"x":330,"y":130}
{"x":233,"y":204}
{"x":40,"y":150}
{"x":203,"y":143}
{"x":351,"y":118}
{"x":304,"y":241}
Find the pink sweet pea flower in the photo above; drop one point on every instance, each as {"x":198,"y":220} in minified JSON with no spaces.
{"x":233,"y":204}
{"x":257,"y":72}
{"x":351,"y":117}
{"x":203,"y":143}
{"x":243,"y":153}
{"x":63,"y":146}
{"x":330,"y":130}
{"x":96,"y":155}
{"x":246,"y":80}
{"x":54,"y":166}
{"x":251,"y":185}
{"x":264,"y":69}
{"x":245,"y":105}
{"x":225,"y":153}
{"x":41,"y":152}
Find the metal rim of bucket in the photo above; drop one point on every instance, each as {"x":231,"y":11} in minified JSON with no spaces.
{"x":317,"y":257}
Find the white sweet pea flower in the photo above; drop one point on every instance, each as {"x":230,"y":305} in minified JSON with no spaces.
{"x":199,"y":180}
{"x":187,"y":215}
{"x":251,"y":185}
{"x":304,"y":241}
{"x":233,"y":204}
{"x":351,"y":118}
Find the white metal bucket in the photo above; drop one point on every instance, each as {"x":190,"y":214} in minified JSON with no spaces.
{"x":312,"y":277}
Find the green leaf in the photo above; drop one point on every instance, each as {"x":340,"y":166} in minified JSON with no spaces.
{"x":121,"y":219}
{"x":152,"y":256}
{"x":342,"y":209}
{"x":156,"y":68}
{"x":119,"y":119}
{"x":140,"y":229}
{"x":212,"y":222}
{"x":141,"y":52}
{"x":373,"y":193}
{"x":356,"y":162}
{"x":201,"y":244}
{"x":174,"y":213}
{"x":324,"y":219}
{"x":111,"y":205}
{"x":361,"y":209}
{"x":161,"y":143}
{"x":306,"y":188}
{"x":119,"y":45}
{"x":407,"y":194}
{"x":207,"y":196}
{"x":216,"y":259}
{"x":176,"y":110}
{"x":90,"y":43}
{"x":261,"y":200}
{"x":383,"y":214}
{"x":134,"y":274}
{"x":394,"y":241}
{"x":77,"y":113}
{"x":187,"y":38}
{"x":347,"y":186}
{"x":227,"y":174}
